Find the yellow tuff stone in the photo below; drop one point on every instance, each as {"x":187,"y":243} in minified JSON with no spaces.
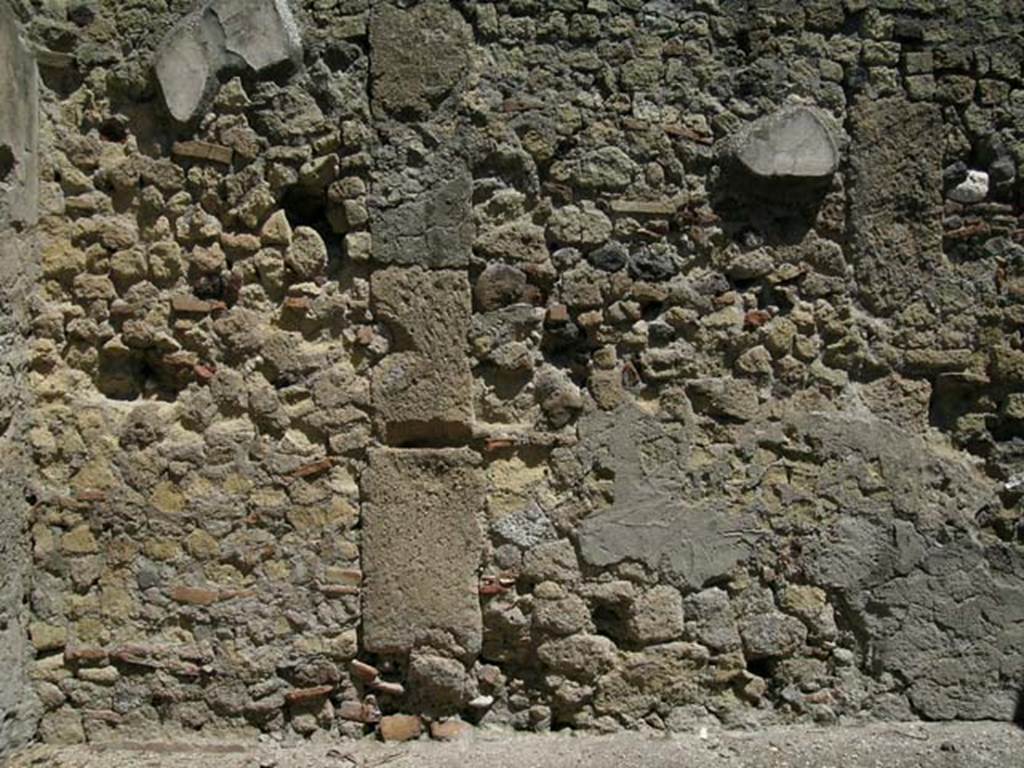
{"x":91,"y":631}
{"x":79,"y":541}
{"x":343,"y":646}
{"x":236,"y":483}
{"x":513,"y":484}
{"x":96,"y":475}
{"x":167,"y":499}
{"x":116,"y":602}
{"x":202,"y":545}
{"x":162,"y":549}
{"x":47,"y":637}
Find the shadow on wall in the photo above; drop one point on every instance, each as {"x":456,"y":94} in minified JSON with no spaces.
{"x":1018,"y":713}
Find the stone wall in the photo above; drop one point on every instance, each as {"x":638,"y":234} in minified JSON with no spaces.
{"x":548,"y":363}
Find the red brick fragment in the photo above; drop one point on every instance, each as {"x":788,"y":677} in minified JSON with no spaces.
{"x":204,"y":373}
{"x":498,"y":443}
{"x":968,"y":231}
{"x":391,"y":689}
{"x":183,"y":669}
{"x":755,"y":318}
{"x":203,"y":150}
{"x":490,"y":587}
{"x":305,"y":695}
{"x":194,"y":595}
{"x":365,"y":335}
{"x":684,"y":132}
{"x":135,"y":655}
{"x":558,"y":313}
{"x":313,"y":468}
{"x":363,"y":671}
{"x":351,"y":576}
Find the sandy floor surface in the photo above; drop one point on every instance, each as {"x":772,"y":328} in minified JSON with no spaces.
{"x":880,"y":745}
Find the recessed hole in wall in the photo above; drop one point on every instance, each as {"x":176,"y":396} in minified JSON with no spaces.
{"x":114,"y":128}
{"x":610,"y":621}
{"x":760,"y":667}
{"x":306,"y":208}
{"x":7,"y":162}
{"x":82,"y":14}
{"x":744,"y":284}
{"x":209,"y":287}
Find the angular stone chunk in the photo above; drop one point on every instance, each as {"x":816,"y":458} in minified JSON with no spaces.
{"x":973,"y":189}
{"x":417,"y":56}
{"x":421,"y":550}
{"x":184,"y":71}
{"x":771,"y":635}
{"x":262,"y":33}
{"x":793,"y":144}
{"x":581,"y":657}
{"x":307,"y":255}
{"x":500,"y":285}
{"x":724,"y":397}
{"x":656,"y":616}
{"x":222,"y":36}
{"x":422,"y":390}
{"x":19,"y":105}
{"x":439,"y":685}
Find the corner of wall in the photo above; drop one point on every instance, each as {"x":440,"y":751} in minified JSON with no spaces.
{"x":18,"y":203}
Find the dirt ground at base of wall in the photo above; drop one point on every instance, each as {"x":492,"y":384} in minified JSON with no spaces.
{"x":893,"y":745}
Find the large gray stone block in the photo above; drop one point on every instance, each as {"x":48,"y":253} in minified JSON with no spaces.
{"x":422,"y":391}
{"x":421,"y":550}
{"x":418,"y":56}
{"x":19,"y":195}
{"x":19,"y":706}
{"x":895,"y":192}
{"x":19,"y":132}
{"x":434,"y":228}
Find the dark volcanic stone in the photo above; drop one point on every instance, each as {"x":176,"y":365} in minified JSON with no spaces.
{"x":653,"y":263}
{"x":611,"y":257}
